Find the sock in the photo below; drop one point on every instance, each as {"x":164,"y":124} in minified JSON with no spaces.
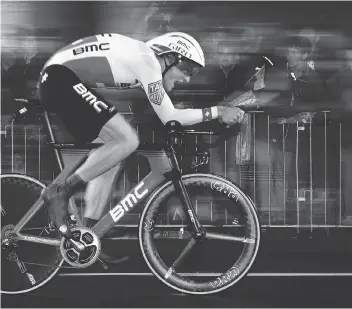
{"x":71,"y":184}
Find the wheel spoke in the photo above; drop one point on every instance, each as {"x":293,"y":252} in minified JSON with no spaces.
{"x":182,"y":256}
{"x":211,"y":235}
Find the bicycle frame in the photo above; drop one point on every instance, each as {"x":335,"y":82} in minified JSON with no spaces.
{"x":164,"y":166}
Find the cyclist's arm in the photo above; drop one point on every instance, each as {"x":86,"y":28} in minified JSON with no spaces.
{"x":147,"y":71}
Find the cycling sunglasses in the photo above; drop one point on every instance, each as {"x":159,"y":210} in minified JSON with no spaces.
{"x":190,"y":68}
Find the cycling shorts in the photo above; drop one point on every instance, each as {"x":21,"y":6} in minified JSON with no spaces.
{"x":81,"y":109}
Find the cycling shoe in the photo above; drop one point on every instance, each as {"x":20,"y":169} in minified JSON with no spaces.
{"x":57,"y":203}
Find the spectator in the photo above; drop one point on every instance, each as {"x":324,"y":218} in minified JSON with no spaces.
{"x":323,"y":50}
{"x":302,"y":85}
{"x":242,"y":72}
{"x":21,"y":69}
{"x":156,"y":21}
{"x":313,"y":38}
{"x":220,"y":162}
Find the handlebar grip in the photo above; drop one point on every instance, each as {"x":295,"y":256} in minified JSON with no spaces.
{"x":175,"y":130}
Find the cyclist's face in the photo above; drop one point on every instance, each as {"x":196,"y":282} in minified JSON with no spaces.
{"x":180,"y":73}
{"x":175,"y":76}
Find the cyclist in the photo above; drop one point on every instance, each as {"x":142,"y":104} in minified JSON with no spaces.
{"x":67,"y":86}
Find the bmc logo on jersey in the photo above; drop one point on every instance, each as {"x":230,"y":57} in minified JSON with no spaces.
{"x":90,"y":48}
{"x":180,"y":50}
{"x":156,"y":92}
{"x":90,"y":98}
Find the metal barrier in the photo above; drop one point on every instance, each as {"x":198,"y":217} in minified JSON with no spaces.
{"x":316,"y":200}
{"x":303,"y":204}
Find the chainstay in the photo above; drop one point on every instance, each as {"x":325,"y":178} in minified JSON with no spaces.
{"x":46,"y":265}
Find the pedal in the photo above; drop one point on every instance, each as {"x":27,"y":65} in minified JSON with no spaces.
{"x":72,"y":220}
{"x":103,"y":264}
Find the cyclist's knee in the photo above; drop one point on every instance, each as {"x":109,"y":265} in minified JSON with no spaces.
{"x":128,"y":140}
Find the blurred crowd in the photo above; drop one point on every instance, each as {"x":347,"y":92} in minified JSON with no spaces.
{"x":295,"y":74}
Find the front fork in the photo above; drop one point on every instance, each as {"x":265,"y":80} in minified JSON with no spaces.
{"x":176,"y":178}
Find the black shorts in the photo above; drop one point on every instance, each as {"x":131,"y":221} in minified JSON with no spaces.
{"x":81,"y":109}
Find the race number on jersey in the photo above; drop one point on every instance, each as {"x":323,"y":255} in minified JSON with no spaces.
{"x":156,"y":92}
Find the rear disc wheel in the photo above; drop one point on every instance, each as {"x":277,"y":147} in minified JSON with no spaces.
{"x":25,"y":266}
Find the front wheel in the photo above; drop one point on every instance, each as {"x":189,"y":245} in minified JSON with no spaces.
{"x":218,"y":260}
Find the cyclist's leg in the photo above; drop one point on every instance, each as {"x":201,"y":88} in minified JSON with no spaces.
{"x":124,"y":141}
{"x":98,"y":192}
{"x":99,"y":189}
{"x":84,"y":121}
{"x":104,"y":163}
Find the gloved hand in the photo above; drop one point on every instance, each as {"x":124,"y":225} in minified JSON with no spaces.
{"x":230,"y":115}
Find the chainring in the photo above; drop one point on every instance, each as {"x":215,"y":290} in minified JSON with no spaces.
{"x":89,"y":255}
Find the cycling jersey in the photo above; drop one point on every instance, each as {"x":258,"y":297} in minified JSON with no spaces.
{"x":116,"y":61}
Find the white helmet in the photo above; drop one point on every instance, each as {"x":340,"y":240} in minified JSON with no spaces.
{"x":178,"y":42}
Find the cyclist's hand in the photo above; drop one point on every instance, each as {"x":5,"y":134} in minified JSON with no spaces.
{"x":230,"y":115}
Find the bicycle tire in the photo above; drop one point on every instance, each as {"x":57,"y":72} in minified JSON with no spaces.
{"x":181,"y":282}
{"x":22,"y":191}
